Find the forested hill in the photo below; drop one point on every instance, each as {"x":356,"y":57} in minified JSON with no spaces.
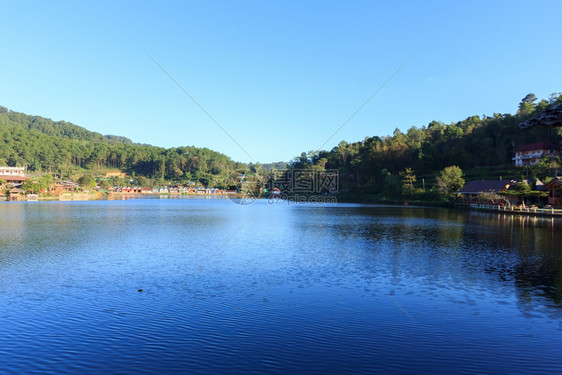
{"x":42,"y":144}
{"x":61,"y":129}
{"x":372,"y":165}
{"x":487,"y":141}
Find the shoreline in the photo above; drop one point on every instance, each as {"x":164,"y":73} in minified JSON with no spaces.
{"x":77,"y":197}
{"x":527,"y":211}
{"x":113,"y":196}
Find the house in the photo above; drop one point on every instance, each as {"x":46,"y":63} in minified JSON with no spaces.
{"x":539,"y":185}
{"x":63,"y":186}
{"x":554,"y":188}
{"x":531,"y":154}
{"x":131,"y":190}
{"x":473,"y":188}
{"x":17,"y":194}
{"x":213,"y":191}
{"x":13,"y":175}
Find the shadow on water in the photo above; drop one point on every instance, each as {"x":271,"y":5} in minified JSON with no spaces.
{"x":439,"y":245}
{"x":536,"y":243}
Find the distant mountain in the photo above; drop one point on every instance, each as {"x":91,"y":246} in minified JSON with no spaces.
{"x":61,"y":129}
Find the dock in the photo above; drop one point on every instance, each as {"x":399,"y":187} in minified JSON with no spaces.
{"x":521,"y":210}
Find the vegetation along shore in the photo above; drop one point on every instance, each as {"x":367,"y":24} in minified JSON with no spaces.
{"x":429,"y":165}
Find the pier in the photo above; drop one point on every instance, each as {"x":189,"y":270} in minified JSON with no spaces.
{"x":523,"y":210}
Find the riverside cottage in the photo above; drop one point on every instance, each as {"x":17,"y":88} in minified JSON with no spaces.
{"x":554,"y":188}
{"x":471,"y":190}
{"x":17,"y":194}
{"x":64,"y":186}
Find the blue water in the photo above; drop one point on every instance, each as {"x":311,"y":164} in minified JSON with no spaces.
{"x":276,"y":289}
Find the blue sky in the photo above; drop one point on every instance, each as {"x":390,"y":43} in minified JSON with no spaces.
{"x":280,"y":77}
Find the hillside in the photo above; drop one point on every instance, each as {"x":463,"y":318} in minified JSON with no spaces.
{"x":60,"y":129}
{"x":43,"y":145}
{"x":481,"y":146}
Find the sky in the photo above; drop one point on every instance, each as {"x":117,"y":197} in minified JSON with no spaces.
{"x":263,"y":81}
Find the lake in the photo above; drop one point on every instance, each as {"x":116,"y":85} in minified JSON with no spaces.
{"x":262,"y":288}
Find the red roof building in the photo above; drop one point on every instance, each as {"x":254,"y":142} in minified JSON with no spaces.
{"x":531,"y":154}
{"x":13,"y":175}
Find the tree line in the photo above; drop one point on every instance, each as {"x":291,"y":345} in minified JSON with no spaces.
{"x":65,"y":149}
{"x":387,"y":166}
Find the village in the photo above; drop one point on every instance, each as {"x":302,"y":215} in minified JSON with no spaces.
{"x":524,"y":195}
{"x":504,"y":194}
{"x":13,"y":188}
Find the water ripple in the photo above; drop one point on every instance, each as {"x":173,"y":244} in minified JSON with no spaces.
{"x":281,"y":297}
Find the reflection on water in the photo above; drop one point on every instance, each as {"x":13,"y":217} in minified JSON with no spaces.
{"x":524,"y":250}
{"x":276,"y":289}
{"x":537,"y":273}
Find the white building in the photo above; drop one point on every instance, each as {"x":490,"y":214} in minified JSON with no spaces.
{"x":532,"y":153}
{"x":12,"y":174}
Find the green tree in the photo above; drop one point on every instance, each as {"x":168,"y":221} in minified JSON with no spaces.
{"x":30,"y":186}
{"x":554,"y":98}
{"x":527,"y":104}
{"x":45,"y":182}
{"x":141,"y":181}
{"x":87,"y":182}
{"x":408,"y":179}
{"x":547,"y":166}
{"x":392,"y":186}
{"x":451,"y":180}
{"x":522,"y":190}
{"x":492,"y":198}
{"x":104,"y":184}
